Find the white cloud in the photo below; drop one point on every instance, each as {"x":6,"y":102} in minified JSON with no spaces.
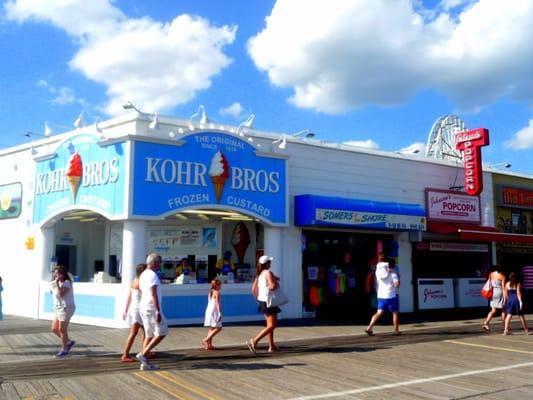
{"x":523,"y":139}
{"x":63,"y":95}
{"x":368,"y":144}
{"x":155,"y":65}
{"x":449,"y":4}
{"x":341,"y":54}
{"x":414,"y":148}
{"x":234,"y":110}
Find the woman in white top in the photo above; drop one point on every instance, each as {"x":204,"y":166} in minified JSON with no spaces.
{"x":264,"y":281}
{"x":132,"y":315}
{"x":64,"y":308}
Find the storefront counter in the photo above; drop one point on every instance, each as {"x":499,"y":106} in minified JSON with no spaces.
{"x":102,"y":304}
{"x":435,"y":293}
{"x":468,"y":292}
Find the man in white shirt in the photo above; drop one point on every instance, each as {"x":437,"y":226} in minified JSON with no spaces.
{"x":387,"y":287}
{"x":150,"y":308}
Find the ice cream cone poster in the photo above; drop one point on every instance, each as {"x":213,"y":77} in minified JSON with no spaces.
{"x":74,"y":174}
{"x":219,"y":173}
{"x":80,"y":173}
{"x":240,"y":240}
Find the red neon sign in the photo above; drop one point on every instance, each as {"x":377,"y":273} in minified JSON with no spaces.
{"x":470,"y":143}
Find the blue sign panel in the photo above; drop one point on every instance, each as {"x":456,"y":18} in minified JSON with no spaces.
{"x":334,"y":211}
{"x":209,"y":169}
{"x":81,"y":174}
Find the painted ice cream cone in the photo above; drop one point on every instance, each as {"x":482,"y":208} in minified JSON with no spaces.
{"x":240,"y":239}
{"x":74,"y":174}
{"x":219,"y":187}
{"x":219,"y":172}
{"x":74,"y":185}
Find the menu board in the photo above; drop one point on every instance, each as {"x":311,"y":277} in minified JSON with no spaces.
{"x":176,"y":238}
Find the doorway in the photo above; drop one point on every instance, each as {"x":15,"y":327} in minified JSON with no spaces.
{"x":66,"y":256}
{"x":335,"y":267}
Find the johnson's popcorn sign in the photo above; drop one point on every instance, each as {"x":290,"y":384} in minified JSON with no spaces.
{"x":449,"y":206}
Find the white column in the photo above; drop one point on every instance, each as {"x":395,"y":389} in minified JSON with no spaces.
{"x":273,"y":245}
{"x":45,"y":247}
{"x":405,"y":255}
{"x":133,"y":249}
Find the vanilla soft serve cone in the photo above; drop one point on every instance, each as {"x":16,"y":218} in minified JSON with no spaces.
{"x":219,"y":172}
{"x":74,"y":174}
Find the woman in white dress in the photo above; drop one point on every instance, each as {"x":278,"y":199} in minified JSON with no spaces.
{"x":213,"y":314}
{"x":132,"y":315}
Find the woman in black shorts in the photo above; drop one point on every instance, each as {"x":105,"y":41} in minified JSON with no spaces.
{"x":265,"y":280}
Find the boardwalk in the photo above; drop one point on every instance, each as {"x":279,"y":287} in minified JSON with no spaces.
{"x":439,"y":360}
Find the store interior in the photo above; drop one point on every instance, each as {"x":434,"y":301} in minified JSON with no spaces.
{"x":335,"y":269}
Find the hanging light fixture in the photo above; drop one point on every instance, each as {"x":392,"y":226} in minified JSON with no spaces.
{"x":202,"y":115}
{"x":130,"y":106}
{"x":155,"y":123}
{"x":80,"y":121}
{"x":47,"y":130}
{"x":281,"y":142}
{"x":306,"y":133}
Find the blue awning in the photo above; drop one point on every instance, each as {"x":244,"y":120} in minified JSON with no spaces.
{"x":311,"y":210}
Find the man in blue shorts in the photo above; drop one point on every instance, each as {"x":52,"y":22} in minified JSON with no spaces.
{"x":387,"y":287}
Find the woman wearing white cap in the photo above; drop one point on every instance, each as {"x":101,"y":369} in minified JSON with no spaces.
{"x":264,"y":281}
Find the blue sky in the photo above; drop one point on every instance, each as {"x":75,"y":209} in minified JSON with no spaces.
{"x":376,"y":73}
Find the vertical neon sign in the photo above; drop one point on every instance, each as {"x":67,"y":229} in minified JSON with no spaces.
{"x":470,"y":143}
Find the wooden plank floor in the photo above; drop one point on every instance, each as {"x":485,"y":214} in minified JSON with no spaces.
{"x":452,"y":360}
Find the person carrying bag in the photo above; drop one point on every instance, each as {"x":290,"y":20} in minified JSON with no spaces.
{"x":265,"y":289}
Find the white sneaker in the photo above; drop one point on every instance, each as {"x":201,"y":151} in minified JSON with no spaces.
{"x":149,"y":367}
{"x":141,"y":358}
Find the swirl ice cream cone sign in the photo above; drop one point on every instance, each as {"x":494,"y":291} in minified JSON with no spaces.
{"x":74,"y":174}
{"x":219,"y":173}
{"x":209,"y":169}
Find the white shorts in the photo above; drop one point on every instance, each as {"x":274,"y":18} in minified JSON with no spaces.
{"x":64,"y":314}
{"x":134,"y":317}
{"x":151,"y":327}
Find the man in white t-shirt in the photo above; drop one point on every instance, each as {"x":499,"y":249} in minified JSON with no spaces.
{"x":387,"y":282}
{"x":150,"y":308}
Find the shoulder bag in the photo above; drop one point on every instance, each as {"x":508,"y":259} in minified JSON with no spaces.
{"x":276,"y":298}
{"x":486,"y":291}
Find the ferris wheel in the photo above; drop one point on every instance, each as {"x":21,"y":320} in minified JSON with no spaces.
{"x":441,"y":139}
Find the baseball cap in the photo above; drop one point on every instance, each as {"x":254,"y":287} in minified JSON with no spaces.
{"x":264,"y":259}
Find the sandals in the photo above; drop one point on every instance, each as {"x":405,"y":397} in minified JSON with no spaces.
{"x":126,"y":360}
{"x":251,"y":346}
{"x":369,"y":332}
{"x":485,"y":327}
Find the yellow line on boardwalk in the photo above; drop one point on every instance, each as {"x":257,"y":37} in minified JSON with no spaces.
{"x":160,"y":384}
{"x":187,"y":385}
{"x":484,"y":346}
